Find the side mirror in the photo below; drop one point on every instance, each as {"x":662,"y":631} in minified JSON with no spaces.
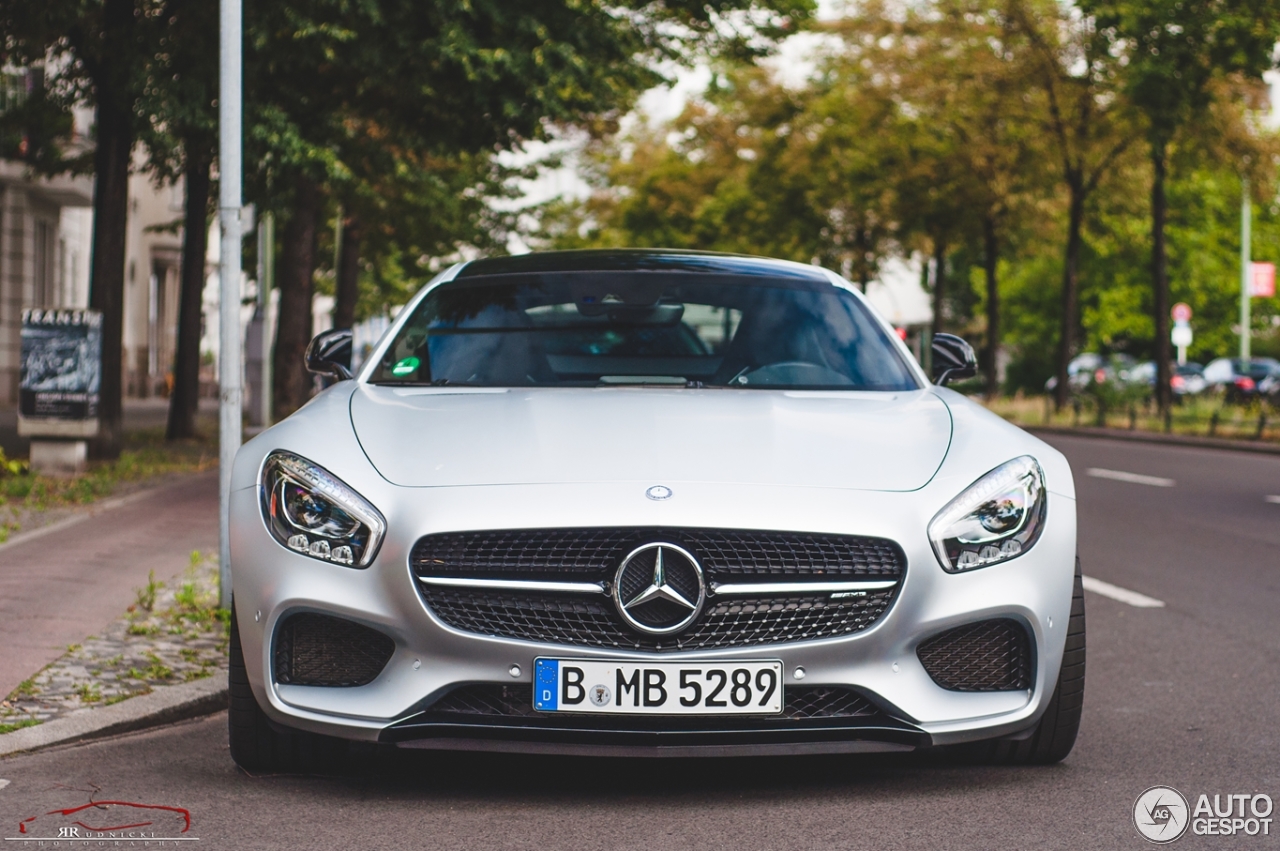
{"x":952,"y":358}
{"x":329,"y":354}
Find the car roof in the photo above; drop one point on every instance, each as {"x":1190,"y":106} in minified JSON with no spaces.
{"x":642,"y":260}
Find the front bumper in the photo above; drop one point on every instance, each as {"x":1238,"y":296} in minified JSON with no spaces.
{"x":431,"y":659}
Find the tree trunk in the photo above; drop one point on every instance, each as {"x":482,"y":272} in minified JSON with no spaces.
{"x":1070,"y":294}
{"x":293,"y":329}
{"x":184,"y":402}
{"x":1159,"y":275}
{"x":939,"y":282}
{"x":112,"y":152}
{"x":862,"y":240}
{"x":990,"y":256}
{"x":348,"y":284}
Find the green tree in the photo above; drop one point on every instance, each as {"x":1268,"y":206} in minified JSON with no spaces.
{"x":959,"y":73}
{"x":101,"y":53}
{"x":1091,"y":130}
{"x":1173,"y":51}
{"x":325,"y":79}
{"x":179,"y":139}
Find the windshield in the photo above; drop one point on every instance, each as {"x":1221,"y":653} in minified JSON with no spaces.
{"x":596,"y":328}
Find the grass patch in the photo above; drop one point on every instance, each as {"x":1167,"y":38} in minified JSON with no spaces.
{"x":88,"y":693}
{"x":146,"y":595}
{"x":26,"y":688}
{"x":157,"y":670}
{"x":17,"y":725}
{"x":116,"y":698}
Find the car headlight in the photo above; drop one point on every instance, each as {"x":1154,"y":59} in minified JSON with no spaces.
{"x":997,"y":518}
{"x":313,"y":512}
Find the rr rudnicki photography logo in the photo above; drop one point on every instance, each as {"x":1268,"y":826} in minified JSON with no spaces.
{"x":107,"y":824}
{"x":1162,"y":814}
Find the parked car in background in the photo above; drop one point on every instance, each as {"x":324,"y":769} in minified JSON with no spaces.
{"x":1269,"y":389}
{"x":1187,"y":379}
{"x":1090,"y":368}
{"x":1238,"y":379}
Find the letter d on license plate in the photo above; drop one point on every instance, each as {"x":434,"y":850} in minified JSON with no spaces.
{"x":657,"y":688}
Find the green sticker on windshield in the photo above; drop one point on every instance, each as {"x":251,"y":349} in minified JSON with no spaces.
{"x":405,"y":367}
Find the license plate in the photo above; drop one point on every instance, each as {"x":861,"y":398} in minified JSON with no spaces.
{"x":657,"y":688}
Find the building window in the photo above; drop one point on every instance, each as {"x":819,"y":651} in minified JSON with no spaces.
{"x":46,"y":292}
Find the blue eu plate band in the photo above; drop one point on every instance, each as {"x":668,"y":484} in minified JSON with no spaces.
{"x":546,"y":685}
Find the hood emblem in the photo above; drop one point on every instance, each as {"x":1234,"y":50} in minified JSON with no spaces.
{"x":659,"y":589}
{"x":658,"y":492}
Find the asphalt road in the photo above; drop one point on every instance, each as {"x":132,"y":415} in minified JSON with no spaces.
{"x":1183,"y":695}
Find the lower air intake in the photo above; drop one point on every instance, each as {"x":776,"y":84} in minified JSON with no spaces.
{"x":515,"y":701}
{"x":321,"y":650}
{"x":992,"y":655}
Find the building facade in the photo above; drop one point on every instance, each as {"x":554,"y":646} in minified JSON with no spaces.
{"x":46,"y":241}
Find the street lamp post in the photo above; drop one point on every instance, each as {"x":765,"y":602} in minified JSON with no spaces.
{"x":1246,"y":284}
{"x":229,"y":136}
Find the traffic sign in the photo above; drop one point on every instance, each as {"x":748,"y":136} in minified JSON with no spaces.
{"x":1264,"y":280}
{"x":1181,"y":335}
{"x":1181,"y":312}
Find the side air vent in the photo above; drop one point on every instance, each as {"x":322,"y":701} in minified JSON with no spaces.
{"x":992,"y":655}
{"x":322,"y":650}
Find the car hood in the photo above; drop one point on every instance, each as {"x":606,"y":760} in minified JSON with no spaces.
{"x":441,"y":437}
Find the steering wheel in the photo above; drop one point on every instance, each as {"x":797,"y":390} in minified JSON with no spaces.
{"x":792,"y":373}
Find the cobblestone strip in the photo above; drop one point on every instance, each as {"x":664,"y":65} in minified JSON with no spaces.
{"x":173,"y":633}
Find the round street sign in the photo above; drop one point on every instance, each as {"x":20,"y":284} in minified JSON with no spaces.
{"x":1181,"y":312}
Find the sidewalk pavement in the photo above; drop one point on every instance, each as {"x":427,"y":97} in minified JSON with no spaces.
{"x":65,"y":582}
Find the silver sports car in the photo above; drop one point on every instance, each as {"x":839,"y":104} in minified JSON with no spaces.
{"x":650,"y":503}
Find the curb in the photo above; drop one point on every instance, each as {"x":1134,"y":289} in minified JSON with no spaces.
{"x":1155,"y":437}
{"x":165,"y":705}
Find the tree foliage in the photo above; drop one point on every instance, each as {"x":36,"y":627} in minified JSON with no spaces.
{"x":998,"y":138}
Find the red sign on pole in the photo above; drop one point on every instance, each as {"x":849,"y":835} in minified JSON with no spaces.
{"x":1181,"y":312}
{"x":1264,"y":280}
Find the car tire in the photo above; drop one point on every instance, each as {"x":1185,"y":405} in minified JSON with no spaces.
{"x":1055,"y":734}
{"x":259,"y":746}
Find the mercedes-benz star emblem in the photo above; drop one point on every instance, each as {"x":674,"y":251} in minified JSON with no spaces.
{"x":659,"y":588}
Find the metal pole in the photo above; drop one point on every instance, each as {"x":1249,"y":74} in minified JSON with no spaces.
{"x":229,"y":93}
{"x":266,"y":281}
{"x":1246,"y":269}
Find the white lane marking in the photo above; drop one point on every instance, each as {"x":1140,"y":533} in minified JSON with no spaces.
{"x":1124,"y":595}
{"x":1272,"y":498}
{"x":3,"y":783}
{"x":1135,"y":478}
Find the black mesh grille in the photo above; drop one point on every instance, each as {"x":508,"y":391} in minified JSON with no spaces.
{"x":991,"y":655}
{"x":493,"y":700}
{"x":593,"y":621}
{"x":321,"y":650}
{"x":594,"y":554}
